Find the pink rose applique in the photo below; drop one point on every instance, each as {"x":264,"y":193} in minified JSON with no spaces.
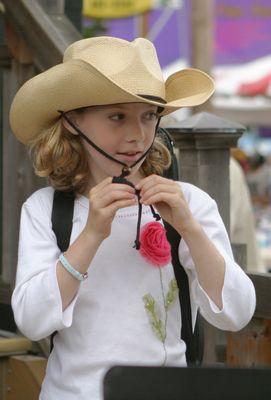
{"x":154,"y":245}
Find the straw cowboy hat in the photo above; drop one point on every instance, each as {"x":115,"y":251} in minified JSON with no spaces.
{"x":99,"y":71}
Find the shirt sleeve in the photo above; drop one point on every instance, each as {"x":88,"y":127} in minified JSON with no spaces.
{"x":238,"y":293}
{"x":36,"y":299}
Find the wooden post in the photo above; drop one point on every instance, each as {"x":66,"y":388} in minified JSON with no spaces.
{"x":201,"y":39}
{"x":143,"y":24}
{"x":204,"y":143}
{"x":10,"y":346}
{"x":252,"y":345}
{"x":202,"y":35}
{"x":25,"y":376}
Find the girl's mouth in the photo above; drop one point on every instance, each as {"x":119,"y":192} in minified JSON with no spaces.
{"x":129,"y":156}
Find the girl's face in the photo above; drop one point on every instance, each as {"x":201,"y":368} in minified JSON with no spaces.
{"x":124,"y":131}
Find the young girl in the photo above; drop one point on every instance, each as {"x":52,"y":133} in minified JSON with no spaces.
{"x":91,"y":124}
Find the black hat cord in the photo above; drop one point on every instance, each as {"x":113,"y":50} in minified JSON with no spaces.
{"x":126,"y":170}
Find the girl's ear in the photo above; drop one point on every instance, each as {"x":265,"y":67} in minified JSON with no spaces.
{"x":71,"y":116}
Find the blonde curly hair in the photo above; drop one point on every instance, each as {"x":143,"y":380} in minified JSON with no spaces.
{"x":59,"y":156}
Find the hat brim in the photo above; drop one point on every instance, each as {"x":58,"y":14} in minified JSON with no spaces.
{"x":76,"y":84}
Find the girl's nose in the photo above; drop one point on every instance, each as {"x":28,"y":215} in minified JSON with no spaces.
{"x":135,"y":132}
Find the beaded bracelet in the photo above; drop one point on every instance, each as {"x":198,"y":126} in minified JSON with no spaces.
{"x":76,"y":274}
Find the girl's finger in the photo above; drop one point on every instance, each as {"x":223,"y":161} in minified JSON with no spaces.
{"x":162,"y":187}
{"x":152,"y":180}
{"x":107,"y":185}
{"x":172,"y":199}
{"x":105,"y":198}
{"x":101,"y":185}
{"x":114,"y":207}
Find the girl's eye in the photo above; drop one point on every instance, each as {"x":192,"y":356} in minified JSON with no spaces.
{"x":151,"y":116}
{"x":117,"y":117}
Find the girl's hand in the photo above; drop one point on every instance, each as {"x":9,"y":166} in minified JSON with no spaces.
{"x":104,"y":201}
{"x":167,"y":197}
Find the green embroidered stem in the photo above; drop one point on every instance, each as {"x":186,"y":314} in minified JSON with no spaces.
{"x":154,"y":313}
{"x":172,"y":293}
{"x":165,"y":323}
{"x":165,"y":358}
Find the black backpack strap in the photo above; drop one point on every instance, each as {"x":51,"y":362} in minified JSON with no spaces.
{"x":194,"y":346}
{"x":194,"y":340}
{"x":172,"y":172}
{"x":62,"y":216}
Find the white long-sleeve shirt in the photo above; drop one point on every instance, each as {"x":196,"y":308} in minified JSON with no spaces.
{"x":107,"y":323}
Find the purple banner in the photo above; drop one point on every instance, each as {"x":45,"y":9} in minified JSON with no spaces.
{"x":242,"y":30}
